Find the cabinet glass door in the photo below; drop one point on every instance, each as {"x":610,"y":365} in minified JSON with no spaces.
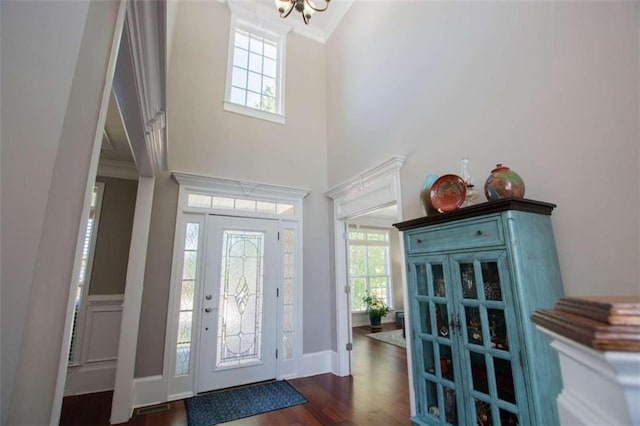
{"x":488,"y":344}
{"x":434,"y":366}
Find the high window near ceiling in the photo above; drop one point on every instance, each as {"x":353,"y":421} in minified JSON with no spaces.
{"x":369,"y":266}
{"x":255,"y":72}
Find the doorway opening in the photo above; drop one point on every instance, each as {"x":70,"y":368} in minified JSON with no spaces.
{"x":374,"y":189}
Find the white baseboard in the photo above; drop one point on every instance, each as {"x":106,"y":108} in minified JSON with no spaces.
{"x":318,"y":363}
{"x":149,"y":391}
{"x":84,"y":379}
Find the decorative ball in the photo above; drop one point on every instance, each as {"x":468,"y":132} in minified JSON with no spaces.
{"x":503,"y":183}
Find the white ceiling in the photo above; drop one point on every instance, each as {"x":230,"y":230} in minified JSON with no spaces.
{"x":321,"y":24}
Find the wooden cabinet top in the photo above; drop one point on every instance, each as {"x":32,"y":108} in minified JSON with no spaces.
{"x":521,"y":204}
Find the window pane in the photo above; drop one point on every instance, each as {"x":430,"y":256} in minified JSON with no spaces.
{"x":269,"y":104}
{"x":239,"y":77}
{"x":223,"y":203}
{"x":242,"y":40}
{"x":189,"y":266}
{"x":255,"y":82}
{"x":286,"y":209}
{"x":186,"y":295}
{"x":270,"y":49}
{"x":376,"y":236}
{"x":265,"y":207}
{"x":358,"y":291}
{"x":255,"y":62}
{"x":253,"y":100}
{"x":377,"y":260}
{"x":356,"y":235}
{"x":196,"y":200}
{"x":270,"y":67}
{"x":240,"y":58}
{"x":191,"y":238}
{"x":356,"y":261}
{"x":245,"y":205}
{"x":268,"y":86}
{"x":238,"y":96}
{"x":379,"y":286}
{"x":255,"y":45}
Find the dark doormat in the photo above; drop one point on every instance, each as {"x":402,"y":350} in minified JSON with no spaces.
{"x":231,"y":404}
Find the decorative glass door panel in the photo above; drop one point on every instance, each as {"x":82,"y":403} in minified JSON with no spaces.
{"x":239,"y":308}
{"x":433,"y":326}
{"x":239,"y":337}
{"x":485,"y":326}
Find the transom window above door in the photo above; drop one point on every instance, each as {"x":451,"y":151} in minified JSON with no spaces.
{"x":255,"y":71}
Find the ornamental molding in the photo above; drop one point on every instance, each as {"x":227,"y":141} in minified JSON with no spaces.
{"x":238,"y":188}
{"x":386,"y":169}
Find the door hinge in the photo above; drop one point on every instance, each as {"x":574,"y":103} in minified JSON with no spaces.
{"x":276,"y":354}
{"x":277,"y":292}
{"x":278,"y":235}
{"x":349,"y":346}
{"x":347,"y":289}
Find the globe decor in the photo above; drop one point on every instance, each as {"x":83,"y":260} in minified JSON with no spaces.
{"x":376,"y":308}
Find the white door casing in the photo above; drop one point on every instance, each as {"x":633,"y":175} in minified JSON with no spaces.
{"x":238,"y":330}
{"x":199,"y":197}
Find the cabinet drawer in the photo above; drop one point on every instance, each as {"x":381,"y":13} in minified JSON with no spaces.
{"x":459,"y":236}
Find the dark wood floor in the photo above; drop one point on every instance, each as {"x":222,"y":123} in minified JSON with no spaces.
{"x":376,"y":394}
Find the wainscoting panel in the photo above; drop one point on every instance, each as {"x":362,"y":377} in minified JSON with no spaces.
{"x":98,"y":346}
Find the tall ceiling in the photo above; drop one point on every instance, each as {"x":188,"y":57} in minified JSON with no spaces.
{"x":321,"y":24}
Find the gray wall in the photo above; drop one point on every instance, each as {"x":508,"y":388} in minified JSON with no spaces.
{"x":548,"y":88}
{"x":54,"y":58}
{"x":111,"y":256}
{"x":204,"y":139}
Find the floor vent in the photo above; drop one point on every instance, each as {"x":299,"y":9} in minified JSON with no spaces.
{"x":143,"y":411}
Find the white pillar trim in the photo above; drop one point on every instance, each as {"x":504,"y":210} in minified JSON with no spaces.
{"x":123,"y":398}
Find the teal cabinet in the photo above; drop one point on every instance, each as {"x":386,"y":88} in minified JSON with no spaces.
{"x":475,"y":276}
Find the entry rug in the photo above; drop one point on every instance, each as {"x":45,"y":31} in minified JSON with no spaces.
{"x":224,"y":406}
{"x":393,"y":337}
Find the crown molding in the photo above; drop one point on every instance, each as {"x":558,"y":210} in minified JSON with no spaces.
{"x":236,"y":187}
{"x":375,"y":173}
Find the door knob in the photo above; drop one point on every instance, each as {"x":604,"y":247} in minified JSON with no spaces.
{"x":207,"y":310}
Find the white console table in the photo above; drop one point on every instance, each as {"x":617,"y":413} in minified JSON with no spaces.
{"x":598,"y":343}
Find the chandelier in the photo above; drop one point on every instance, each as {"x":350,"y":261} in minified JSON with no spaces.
{"x":305,"y":7}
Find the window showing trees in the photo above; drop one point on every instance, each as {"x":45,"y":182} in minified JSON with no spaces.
{"x":369,"y":268}
{"x":255,"y":72}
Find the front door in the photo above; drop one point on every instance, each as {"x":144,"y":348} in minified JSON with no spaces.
{"x":239,"y":307}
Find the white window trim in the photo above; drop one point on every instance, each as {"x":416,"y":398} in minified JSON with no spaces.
{"x":277,"y":31}
{"x":184,"y":386}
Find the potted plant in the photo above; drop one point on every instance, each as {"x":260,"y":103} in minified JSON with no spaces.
{"x":377,"y":308}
